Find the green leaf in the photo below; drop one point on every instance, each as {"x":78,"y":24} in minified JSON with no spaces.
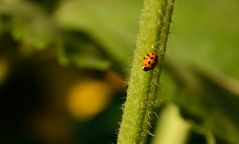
{"x":209,"y":99}
{"x":27,"y":23}
{"x":205,"y":34}
{"x":80,"y":51}
{"x":105,"y":22}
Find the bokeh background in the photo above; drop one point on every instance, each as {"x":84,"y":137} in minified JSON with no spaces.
{"x":64,"y":67}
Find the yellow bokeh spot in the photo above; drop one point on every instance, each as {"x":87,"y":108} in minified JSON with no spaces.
{"x":87,"y":99}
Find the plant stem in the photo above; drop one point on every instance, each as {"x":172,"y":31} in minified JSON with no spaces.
{"x":142,"y":92}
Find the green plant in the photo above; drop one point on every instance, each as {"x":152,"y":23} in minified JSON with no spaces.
{"x":142,"y":92}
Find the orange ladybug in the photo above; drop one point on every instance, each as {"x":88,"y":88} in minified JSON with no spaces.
{"x":150,"y":61}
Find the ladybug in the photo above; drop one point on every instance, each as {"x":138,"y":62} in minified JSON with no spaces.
{"x":150,"y":61}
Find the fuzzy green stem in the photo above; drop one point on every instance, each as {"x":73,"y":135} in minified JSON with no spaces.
{"x":142,"y":92}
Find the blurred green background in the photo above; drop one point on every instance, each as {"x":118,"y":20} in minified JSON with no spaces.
{"x":64,"y":67}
